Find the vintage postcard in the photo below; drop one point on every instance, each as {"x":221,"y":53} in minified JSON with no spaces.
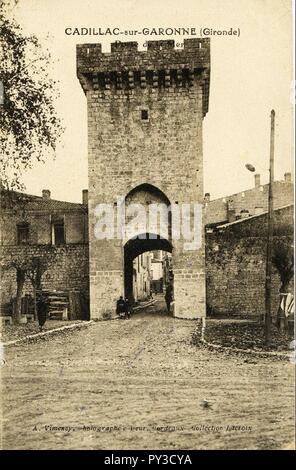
{"x":147,"y":214}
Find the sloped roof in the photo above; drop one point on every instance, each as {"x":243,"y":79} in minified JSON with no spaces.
{"x":37,"y":203}
{"x":246,"y":219}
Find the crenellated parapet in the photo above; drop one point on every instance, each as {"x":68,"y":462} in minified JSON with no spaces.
{"x":161,"y":66}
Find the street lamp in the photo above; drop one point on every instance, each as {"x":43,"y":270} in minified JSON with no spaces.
{"x":267,"y":320}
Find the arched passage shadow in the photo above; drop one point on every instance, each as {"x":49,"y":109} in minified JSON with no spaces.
{"x":135,"y":247}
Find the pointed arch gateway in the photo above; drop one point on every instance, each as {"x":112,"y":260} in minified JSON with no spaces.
{"x":151,"y":201}
{"x":145,"y":241}
{"x":150,"y":188}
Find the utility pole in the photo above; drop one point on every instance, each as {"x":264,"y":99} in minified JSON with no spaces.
{"x":269,"y":235}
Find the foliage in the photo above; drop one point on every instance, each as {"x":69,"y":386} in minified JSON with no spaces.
{"x":32,"y":266}
{"x":29,"y":126}
{"x":29,"y":267}
{"x":283,"y":260}
{"x":35,"y":269}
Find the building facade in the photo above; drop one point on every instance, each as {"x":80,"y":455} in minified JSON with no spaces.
{"x":157,"y":271}
{"x":247,"y":203}
{"x":142,"y":277}
{"x":55,"y":232}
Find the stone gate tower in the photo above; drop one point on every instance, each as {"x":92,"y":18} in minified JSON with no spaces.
{"x":145,"y":116}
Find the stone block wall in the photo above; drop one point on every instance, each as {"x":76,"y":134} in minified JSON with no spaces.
{"x":235,"y":266}
{"x":253,"y":200}
{"x":163,"y":149}
{"x":68,"y":263}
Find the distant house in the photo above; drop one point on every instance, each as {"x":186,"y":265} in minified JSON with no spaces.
{"x":246,"y":203}
{"x":157,"y":271}
{"x":142,"y":277}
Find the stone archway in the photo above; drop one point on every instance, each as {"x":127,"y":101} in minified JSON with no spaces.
{"x":149,"y":199}
{"x":146,"y":238}
{"x":135,"y":247}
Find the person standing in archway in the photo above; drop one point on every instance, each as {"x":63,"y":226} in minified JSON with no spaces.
{"x":128,"y":308}
{"x":121,"y":307}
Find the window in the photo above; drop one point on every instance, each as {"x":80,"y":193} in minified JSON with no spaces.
{"x":58,"y":232}
{"x":144,"y":115}
{"x":23,"y":234}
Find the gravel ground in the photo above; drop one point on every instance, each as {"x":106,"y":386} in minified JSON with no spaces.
{"x":13,"y":332}
{"x":246,"y":335}
{"x":142,"y":384}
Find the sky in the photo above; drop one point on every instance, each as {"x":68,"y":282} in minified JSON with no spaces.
{"x":250,"y":75}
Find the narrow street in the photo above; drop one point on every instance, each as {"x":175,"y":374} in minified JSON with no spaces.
{"x":140,"y":384}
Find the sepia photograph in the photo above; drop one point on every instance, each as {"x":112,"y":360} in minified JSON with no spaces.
{"x":147,"y":227}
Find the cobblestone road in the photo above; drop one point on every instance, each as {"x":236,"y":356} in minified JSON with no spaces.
{"x":140,"y":384}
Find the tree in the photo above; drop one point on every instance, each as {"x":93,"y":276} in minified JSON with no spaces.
{"x":30,"y":268}
{"x":283,"y":260}
{"x":30,"y":128}
{"x":36,"y":267}
{"x":20,"y":266}
{"x":20,"y":281}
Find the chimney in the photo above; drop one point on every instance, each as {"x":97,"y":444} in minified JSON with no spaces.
{"x":257,"y":181}
{"x":45,"y":193}
{"x":231,"y":217}
{"x":85,"y":197}
{"x":207,"y":197}
{"x":288,"y":177}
